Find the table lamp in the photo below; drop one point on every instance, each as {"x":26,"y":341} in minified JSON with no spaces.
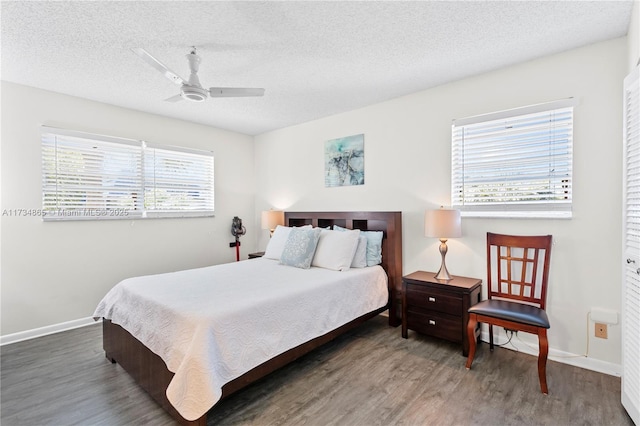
{"x":271,"y":219}
{"x":442,"y":224}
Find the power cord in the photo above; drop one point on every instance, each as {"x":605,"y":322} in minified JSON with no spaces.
{"x":586,"y":354}
{"x":509,"y":334}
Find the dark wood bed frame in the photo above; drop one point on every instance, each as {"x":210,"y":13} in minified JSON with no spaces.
{"x":150,"y":371}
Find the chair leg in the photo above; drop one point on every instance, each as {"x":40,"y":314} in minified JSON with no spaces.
{"x":542,"y":359}
{"x":471,"y":335}
{"x":491,"y":337}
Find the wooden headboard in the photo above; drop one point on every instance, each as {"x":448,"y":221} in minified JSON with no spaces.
{"x":390,"y":223}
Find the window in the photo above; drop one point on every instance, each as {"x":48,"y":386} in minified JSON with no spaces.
{"x":515,"y":163}
{"x":177,"y":181}
{"x":87,"y":176}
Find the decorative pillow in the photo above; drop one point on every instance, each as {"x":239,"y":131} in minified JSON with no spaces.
{"x":336,"y":249}
{"x":300,"y":247}
{"x":374,"y":247}
{"x":277,"y":242}
{"x":360,"y":257}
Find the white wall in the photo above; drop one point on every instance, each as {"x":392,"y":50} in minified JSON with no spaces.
{"x":54,"y":272}
{"x":407,"y":168}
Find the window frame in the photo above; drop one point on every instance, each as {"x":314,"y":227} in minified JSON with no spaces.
{"x":106,"y":159}
{"x":560,"y":184}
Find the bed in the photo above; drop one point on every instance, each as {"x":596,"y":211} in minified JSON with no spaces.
{"x":178,"y":374}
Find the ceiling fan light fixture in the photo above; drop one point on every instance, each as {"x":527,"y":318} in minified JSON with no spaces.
{"x":195,"y":94}
{"x":192,"y":90}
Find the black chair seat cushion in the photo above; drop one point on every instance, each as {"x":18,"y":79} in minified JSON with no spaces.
{"x":512,"y":311}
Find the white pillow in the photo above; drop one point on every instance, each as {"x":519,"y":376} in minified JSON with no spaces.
{"x":278,"y":241}
{"x":335,"y":249}
{"x":360,"y":258}
{"x":374,"y":245}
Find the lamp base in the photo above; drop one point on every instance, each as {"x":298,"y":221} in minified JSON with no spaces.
{"x":443,"y":273}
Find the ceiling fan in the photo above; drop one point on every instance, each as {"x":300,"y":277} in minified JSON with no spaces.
{"x":191,"y":89}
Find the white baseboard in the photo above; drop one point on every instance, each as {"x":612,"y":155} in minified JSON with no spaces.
{"x":43,"y":331}
{"x":557,"y":355}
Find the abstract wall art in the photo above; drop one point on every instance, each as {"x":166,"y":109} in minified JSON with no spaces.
{"x":344,"y":161}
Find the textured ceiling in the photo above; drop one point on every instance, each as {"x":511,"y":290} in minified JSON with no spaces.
{"x":313,"y":58}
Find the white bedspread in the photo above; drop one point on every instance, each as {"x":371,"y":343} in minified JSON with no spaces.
{"x":211,"y":325}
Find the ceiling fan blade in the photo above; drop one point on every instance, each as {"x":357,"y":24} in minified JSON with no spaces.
{"x":146,"y":56}
{"x":176,"y":98}
{"x":231,"y":92}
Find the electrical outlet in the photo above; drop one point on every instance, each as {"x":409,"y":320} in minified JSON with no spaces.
{"x":601,"y":330}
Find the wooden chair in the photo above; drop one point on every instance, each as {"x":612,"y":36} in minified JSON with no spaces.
{"x":517,"y":272}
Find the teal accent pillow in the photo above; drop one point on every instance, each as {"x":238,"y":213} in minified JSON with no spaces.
{"x":374,"y":245}
{"x":300,"y":247}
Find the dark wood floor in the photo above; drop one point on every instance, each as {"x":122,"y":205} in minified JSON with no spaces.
{"x":370,"y":376}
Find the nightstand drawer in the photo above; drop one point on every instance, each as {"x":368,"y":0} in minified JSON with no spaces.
{"x":433,"y":299}
{"x":435,"y":324}
{"x":439,"y":308}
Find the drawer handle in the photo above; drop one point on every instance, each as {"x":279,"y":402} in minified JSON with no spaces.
{"x":432,"y":322}
{"x":432,"y":299}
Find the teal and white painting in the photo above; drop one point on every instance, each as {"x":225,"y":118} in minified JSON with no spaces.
{"x":344,"y":161}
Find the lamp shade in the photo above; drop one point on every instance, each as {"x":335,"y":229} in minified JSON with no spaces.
{"x":272,"y":218}
{"x":442,"y":223}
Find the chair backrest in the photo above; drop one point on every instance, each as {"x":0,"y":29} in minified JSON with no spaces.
{"x":518,"y":267}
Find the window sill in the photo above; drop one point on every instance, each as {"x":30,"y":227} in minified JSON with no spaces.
{"x":517,"y":215}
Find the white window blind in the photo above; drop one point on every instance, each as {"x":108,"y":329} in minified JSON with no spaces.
{"x":177,"y":182}
{"x":515,"y":163}
{"x":86,"y":176}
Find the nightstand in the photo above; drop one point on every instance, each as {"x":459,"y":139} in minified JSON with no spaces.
{"x":439,"y":308}
{"x":256,"y":255}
